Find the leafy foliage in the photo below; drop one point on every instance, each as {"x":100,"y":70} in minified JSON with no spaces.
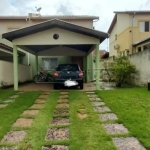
{"x":122,"y":69}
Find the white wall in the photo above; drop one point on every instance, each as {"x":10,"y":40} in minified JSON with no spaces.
{"x":7,"y":76}
{"x":142,"y":62}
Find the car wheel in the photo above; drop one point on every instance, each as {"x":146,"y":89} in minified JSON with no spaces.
{"x":55,"y":86}
{"x":81,"y":86}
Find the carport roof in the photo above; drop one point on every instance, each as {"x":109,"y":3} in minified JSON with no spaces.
{"x":52,"y":24}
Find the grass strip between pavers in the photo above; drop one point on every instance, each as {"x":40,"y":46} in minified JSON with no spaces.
{"x":13,"y":111}
{"x":132,"y":107}
{"x":88,"y":133}
{"x":35,"y":138}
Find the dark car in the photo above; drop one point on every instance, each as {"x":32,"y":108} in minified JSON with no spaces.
{"x":68,"y":72}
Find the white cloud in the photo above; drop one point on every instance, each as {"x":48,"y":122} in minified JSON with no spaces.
{"x":102,"y":8}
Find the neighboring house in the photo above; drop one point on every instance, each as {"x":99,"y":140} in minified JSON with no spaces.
{"x":102,"y":53}
{"x":52,"y":40}
{"x":126,"y":30}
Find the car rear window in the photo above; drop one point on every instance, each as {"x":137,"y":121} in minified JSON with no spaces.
{"x":68,"y":67}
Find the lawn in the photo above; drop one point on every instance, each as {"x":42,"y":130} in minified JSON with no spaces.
{"x":84,"y":134}
{"x":4,"y":94}
{"x":132,"y":107}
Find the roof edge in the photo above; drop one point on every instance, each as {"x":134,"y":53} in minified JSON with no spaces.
{"x":112,"y":24}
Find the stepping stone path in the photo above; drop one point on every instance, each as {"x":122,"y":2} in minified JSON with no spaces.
{"x":15,"y":137}
{"x":11,"y":99}
{"x":62,"y":133}
{"x":122,"y":143}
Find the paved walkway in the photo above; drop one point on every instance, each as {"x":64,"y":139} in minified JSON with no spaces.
{"x":107,"y":116}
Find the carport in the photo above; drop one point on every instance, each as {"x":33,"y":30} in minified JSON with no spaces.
{"x":56,"y":38}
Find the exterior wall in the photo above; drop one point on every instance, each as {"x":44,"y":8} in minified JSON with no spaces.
{"x":46,"y":38}
{"x":142,"y":61}
{"x":123,"y":29}
{"x":6,"y":73}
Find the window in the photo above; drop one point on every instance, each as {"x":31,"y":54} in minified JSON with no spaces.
{"x":49,"y":63}
{"x":144,"y":26}
{"x":139,"y":49}
{"x":146,"y":47}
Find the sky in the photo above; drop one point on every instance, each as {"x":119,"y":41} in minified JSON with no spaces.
{"x":102,"y":8}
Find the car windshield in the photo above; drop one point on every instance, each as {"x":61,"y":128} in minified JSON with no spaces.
{"x":68,"y":67}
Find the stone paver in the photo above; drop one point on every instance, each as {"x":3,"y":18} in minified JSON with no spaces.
{"x":14,"y":137}
{"x":30,"y":112}
{"x":36,"y":106}
{"x":45,"y":93}
{"x":23,"y":122}
{"x":3,"y":105}
{"x":14,"y":96}
{"x":43,"y":96}
{"x":64,"y":93}
{"x":57,"y":134}
{"x":98,"y":103}
{"x":129,"y":143}
{"x":9,"y":101}
{"x":40,"y":101}
{"x":90,"y":92}
{"x":61,"y":112}
{"x":20,"y":93}
{"x":95,"y":99}
{"x":63,"y":96}
{"x":55,"y":147}
{"x":60,"y":121}
{"x":92,"y":95}
{"x":62,"y":105}
{"x":115,"y":128}
{"x":63,"y":101}
{"x":108,"y":116}
{"x":102,"y":109}
{"x":8,"y":148}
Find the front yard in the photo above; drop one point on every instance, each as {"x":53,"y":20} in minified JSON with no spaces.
{"x":41,"y":119}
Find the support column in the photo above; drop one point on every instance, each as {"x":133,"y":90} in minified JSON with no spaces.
{"x":36,"y":59}
{"x":87,"y":68}
{"x":15,"y":64}
{"x":97,"y":67}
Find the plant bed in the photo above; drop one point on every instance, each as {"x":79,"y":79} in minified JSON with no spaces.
{"x":115,"y":128}
{"x":57,"y":134}
{"x":55,"y":147}
{"x":23,"y":122}
{"x":61,"y":112}
{"x":14,"y":137}
{"x":60,"y":121}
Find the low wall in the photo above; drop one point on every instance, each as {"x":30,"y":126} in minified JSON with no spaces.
{"x":142,"y":62}
{"x":7,"y":75}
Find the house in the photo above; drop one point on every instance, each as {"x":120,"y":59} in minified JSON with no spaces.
{"x":101,"y":52}
{"x":52,"y":40}
{"x":127,"y":29}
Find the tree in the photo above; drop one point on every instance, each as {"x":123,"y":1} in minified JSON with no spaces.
{"x":122,"y":69}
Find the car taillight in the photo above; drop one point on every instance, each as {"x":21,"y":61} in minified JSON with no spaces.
{"x":55,"y":74}
{"x":81,"y":74}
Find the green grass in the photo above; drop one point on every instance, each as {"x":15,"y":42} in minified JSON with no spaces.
{"x":132,"y":106}
{"x":12,"y":112}
{"x":86,"y":134}
{"x":5,"y":94}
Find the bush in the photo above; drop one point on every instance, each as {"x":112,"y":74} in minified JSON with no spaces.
{"x":122,"y":69}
